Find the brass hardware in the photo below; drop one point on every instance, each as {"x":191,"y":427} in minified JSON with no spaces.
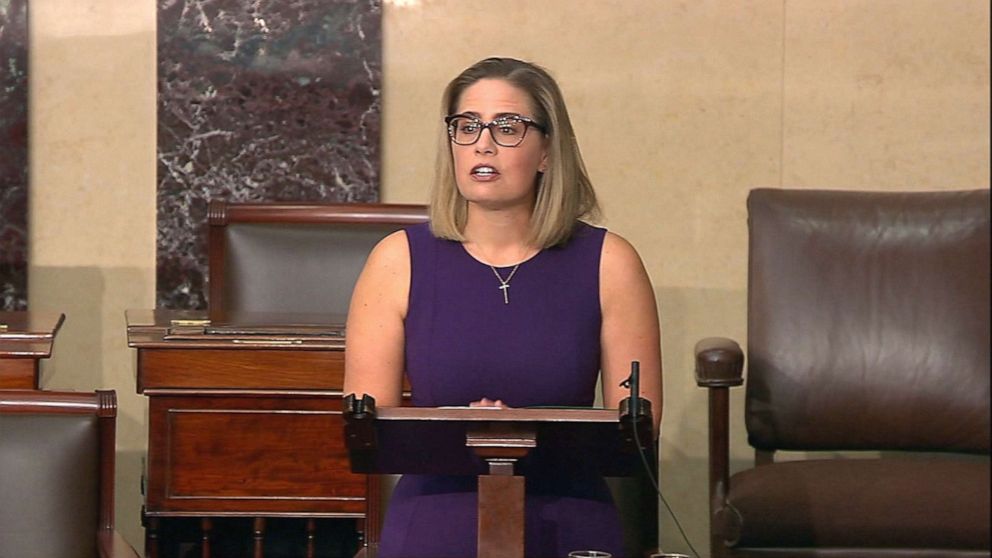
{"x":179,"y":322}
{"x":269,"y":341}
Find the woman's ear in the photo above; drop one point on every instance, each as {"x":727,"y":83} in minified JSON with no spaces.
{"x":542,"y":167}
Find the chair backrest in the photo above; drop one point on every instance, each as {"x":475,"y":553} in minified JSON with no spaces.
{"x":868,"y":321}
{"x":56,"y":472}
{"x":294,"y":258}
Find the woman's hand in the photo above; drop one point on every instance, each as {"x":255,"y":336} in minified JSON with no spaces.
{"x":486,"y":402}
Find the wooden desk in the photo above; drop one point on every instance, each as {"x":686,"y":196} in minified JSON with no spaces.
{"x":25,"y":339}
{"x":242,"y":423}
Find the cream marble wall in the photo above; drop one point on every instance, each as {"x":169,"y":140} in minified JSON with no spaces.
{"x":92,"y":203}
{"x":679,"y":107}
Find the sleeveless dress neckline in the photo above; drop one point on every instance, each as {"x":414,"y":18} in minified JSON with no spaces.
{"x":480,"y":262}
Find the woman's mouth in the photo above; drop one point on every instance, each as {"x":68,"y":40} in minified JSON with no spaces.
{"x":484,"y":173}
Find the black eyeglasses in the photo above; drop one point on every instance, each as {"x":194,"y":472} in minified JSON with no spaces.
{"x":507,"y":131}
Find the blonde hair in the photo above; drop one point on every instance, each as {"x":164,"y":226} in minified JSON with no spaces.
{"x":564,"y":192}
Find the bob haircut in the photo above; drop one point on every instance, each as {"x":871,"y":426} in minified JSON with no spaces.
{"x":564,"y":192}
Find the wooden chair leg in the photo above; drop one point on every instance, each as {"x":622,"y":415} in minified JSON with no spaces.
{"x":258,"y":537}
{"x":151,"y":537}
{"x":206,"y":529}
{"x":311,"y":536}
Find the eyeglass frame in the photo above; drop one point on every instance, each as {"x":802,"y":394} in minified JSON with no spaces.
{"x":526,"y":121}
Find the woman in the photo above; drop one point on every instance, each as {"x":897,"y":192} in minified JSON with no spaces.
{"x":506,"y":299}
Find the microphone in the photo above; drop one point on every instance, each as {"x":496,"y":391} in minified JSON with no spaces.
{"x":634,"y":383}
{"x":634,"y":408}
{"x":635,"y":389}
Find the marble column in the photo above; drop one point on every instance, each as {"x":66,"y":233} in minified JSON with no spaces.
{"x":13,"y":154}
{"x":259,"y":100}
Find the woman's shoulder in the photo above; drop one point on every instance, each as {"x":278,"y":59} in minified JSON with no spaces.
{"x":391,"y":251}
{"x":421,"y":237}
{"x":419,"y":229}
{"x":584,"y":234}
{"x":582,"y":228}
{"x":621,"y":270}
{"x":400,"y":240}
{"x":619,"y":255}
{"x":384,"y":280}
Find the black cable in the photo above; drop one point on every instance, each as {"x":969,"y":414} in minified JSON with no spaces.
{"x":654,"y":483}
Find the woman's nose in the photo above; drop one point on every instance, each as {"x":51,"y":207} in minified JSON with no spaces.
{"x":486,"y":143}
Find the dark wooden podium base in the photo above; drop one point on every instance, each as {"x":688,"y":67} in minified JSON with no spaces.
{"x":490,"y":444}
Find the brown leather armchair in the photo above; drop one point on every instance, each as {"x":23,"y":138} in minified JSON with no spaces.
{"x":57,"y":475}
{"x":868,"y":332}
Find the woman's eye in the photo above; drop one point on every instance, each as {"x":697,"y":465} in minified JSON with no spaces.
{"x":508,"y":127}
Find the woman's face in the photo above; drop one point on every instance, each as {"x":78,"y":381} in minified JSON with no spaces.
{"x":491,"y":175}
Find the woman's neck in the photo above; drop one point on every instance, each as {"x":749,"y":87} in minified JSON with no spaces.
{"x":499,"y":238}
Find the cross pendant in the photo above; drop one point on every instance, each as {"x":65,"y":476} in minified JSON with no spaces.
{"x":505,"y":287}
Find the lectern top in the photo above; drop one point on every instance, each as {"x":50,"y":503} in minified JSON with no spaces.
{"x":445,"y":440}
{"x":497,"y":414}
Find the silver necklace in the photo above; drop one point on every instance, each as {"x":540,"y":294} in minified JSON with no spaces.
{"x":504,"y":284}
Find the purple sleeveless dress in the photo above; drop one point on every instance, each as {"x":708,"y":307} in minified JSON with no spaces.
{"x":464,"y":343}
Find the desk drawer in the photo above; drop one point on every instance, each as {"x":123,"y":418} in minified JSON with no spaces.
{"x":240,"y":369}
{"x":250,"y":455}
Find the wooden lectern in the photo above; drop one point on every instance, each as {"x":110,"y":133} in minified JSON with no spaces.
{"x":500,"y":446}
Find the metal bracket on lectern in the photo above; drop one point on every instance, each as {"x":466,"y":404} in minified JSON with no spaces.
{"x":359,"y":429}
{"x":645,"y":426}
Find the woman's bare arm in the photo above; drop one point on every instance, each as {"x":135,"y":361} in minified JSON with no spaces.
{"x":374,"y":354}
{"x":630,"y":325}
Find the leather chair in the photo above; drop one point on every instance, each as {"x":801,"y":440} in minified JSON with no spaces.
{"x":57,"y":475}
{"x":294,"y":258}
{"x":868,"y":333}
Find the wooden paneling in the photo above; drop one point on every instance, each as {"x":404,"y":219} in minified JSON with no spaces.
{"x":250,"y":455}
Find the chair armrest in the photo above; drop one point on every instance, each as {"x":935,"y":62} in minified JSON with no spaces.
{"x":113,"y":545}
{"x":719,"y":362}
{"x":719,"y":366}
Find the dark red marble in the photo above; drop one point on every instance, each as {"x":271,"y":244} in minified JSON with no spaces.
{"x":259,"y":100}
{"x":13,"y":154}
